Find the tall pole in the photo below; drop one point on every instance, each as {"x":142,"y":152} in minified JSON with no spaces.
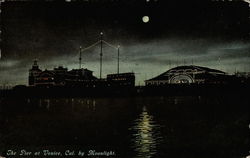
{"x":80,"y":57}
{"x":118,"y":58}
{"x":101,"y":34}
{"x":219,"y":63}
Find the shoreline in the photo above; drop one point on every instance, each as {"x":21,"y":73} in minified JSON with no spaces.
{"x":141,"y":91}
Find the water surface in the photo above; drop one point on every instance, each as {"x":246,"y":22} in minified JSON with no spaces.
{"x":136,"y":127}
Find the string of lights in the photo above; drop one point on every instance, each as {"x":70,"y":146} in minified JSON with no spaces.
{"x":115,"y":47}
{"x":94,"y":44}
{"x":91,"y":46}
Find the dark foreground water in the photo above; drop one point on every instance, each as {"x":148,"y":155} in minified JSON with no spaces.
{"x":137,"y":127}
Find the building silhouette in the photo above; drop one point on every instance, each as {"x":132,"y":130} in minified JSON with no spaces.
{"x":34,"y":73}
{"x":59,"y":76}
{"x":190,"y":75}
{"x":82,"y":77}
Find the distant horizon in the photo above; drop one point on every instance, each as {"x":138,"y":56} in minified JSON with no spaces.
{"x":137,"y":83}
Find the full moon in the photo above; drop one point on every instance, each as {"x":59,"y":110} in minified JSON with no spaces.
{"x":145,"y":19}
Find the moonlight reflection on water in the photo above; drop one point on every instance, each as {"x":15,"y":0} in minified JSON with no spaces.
{"x":151,"y":127}
{"x":146,"y":135}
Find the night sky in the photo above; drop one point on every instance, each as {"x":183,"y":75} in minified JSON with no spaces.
{"x":208,"y":33}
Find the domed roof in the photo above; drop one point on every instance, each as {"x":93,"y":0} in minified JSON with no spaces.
{"x":194,"y":68}
{"x":187,"y":69}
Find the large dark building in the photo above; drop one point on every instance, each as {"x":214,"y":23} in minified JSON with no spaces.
{"x":190,"y":75}
{"x":59,"y":76}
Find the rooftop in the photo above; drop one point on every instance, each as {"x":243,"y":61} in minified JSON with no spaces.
{"x":183,"y":69}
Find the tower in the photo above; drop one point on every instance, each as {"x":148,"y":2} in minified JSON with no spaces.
{"x":118,"y":58}
{"x":101,"y":36}
{"x":33,"y":73}
{"x":80,"y":57}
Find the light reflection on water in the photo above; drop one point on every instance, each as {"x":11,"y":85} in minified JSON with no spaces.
{"x":146,"y":135}
{"x":48,"y":103}
{"x":151,"y":131}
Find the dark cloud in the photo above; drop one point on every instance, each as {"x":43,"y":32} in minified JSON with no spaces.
{"x":199,"y":32}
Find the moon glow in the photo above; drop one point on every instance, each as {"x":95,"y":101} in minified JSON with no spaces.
{"x":145,"y":19}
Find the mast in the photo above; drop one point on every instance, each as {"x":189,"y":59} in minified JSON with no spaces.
{"x":101,"y":34}
{"x":80,"y":57}
{"x":118,"y":58}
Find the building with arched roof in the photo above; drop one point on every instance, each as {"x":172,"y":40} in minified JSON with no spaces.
{"x":189,"y":74}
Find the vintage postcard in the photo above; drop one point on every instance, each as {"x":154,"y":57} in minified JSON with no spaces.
{"x":124,"y":78}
